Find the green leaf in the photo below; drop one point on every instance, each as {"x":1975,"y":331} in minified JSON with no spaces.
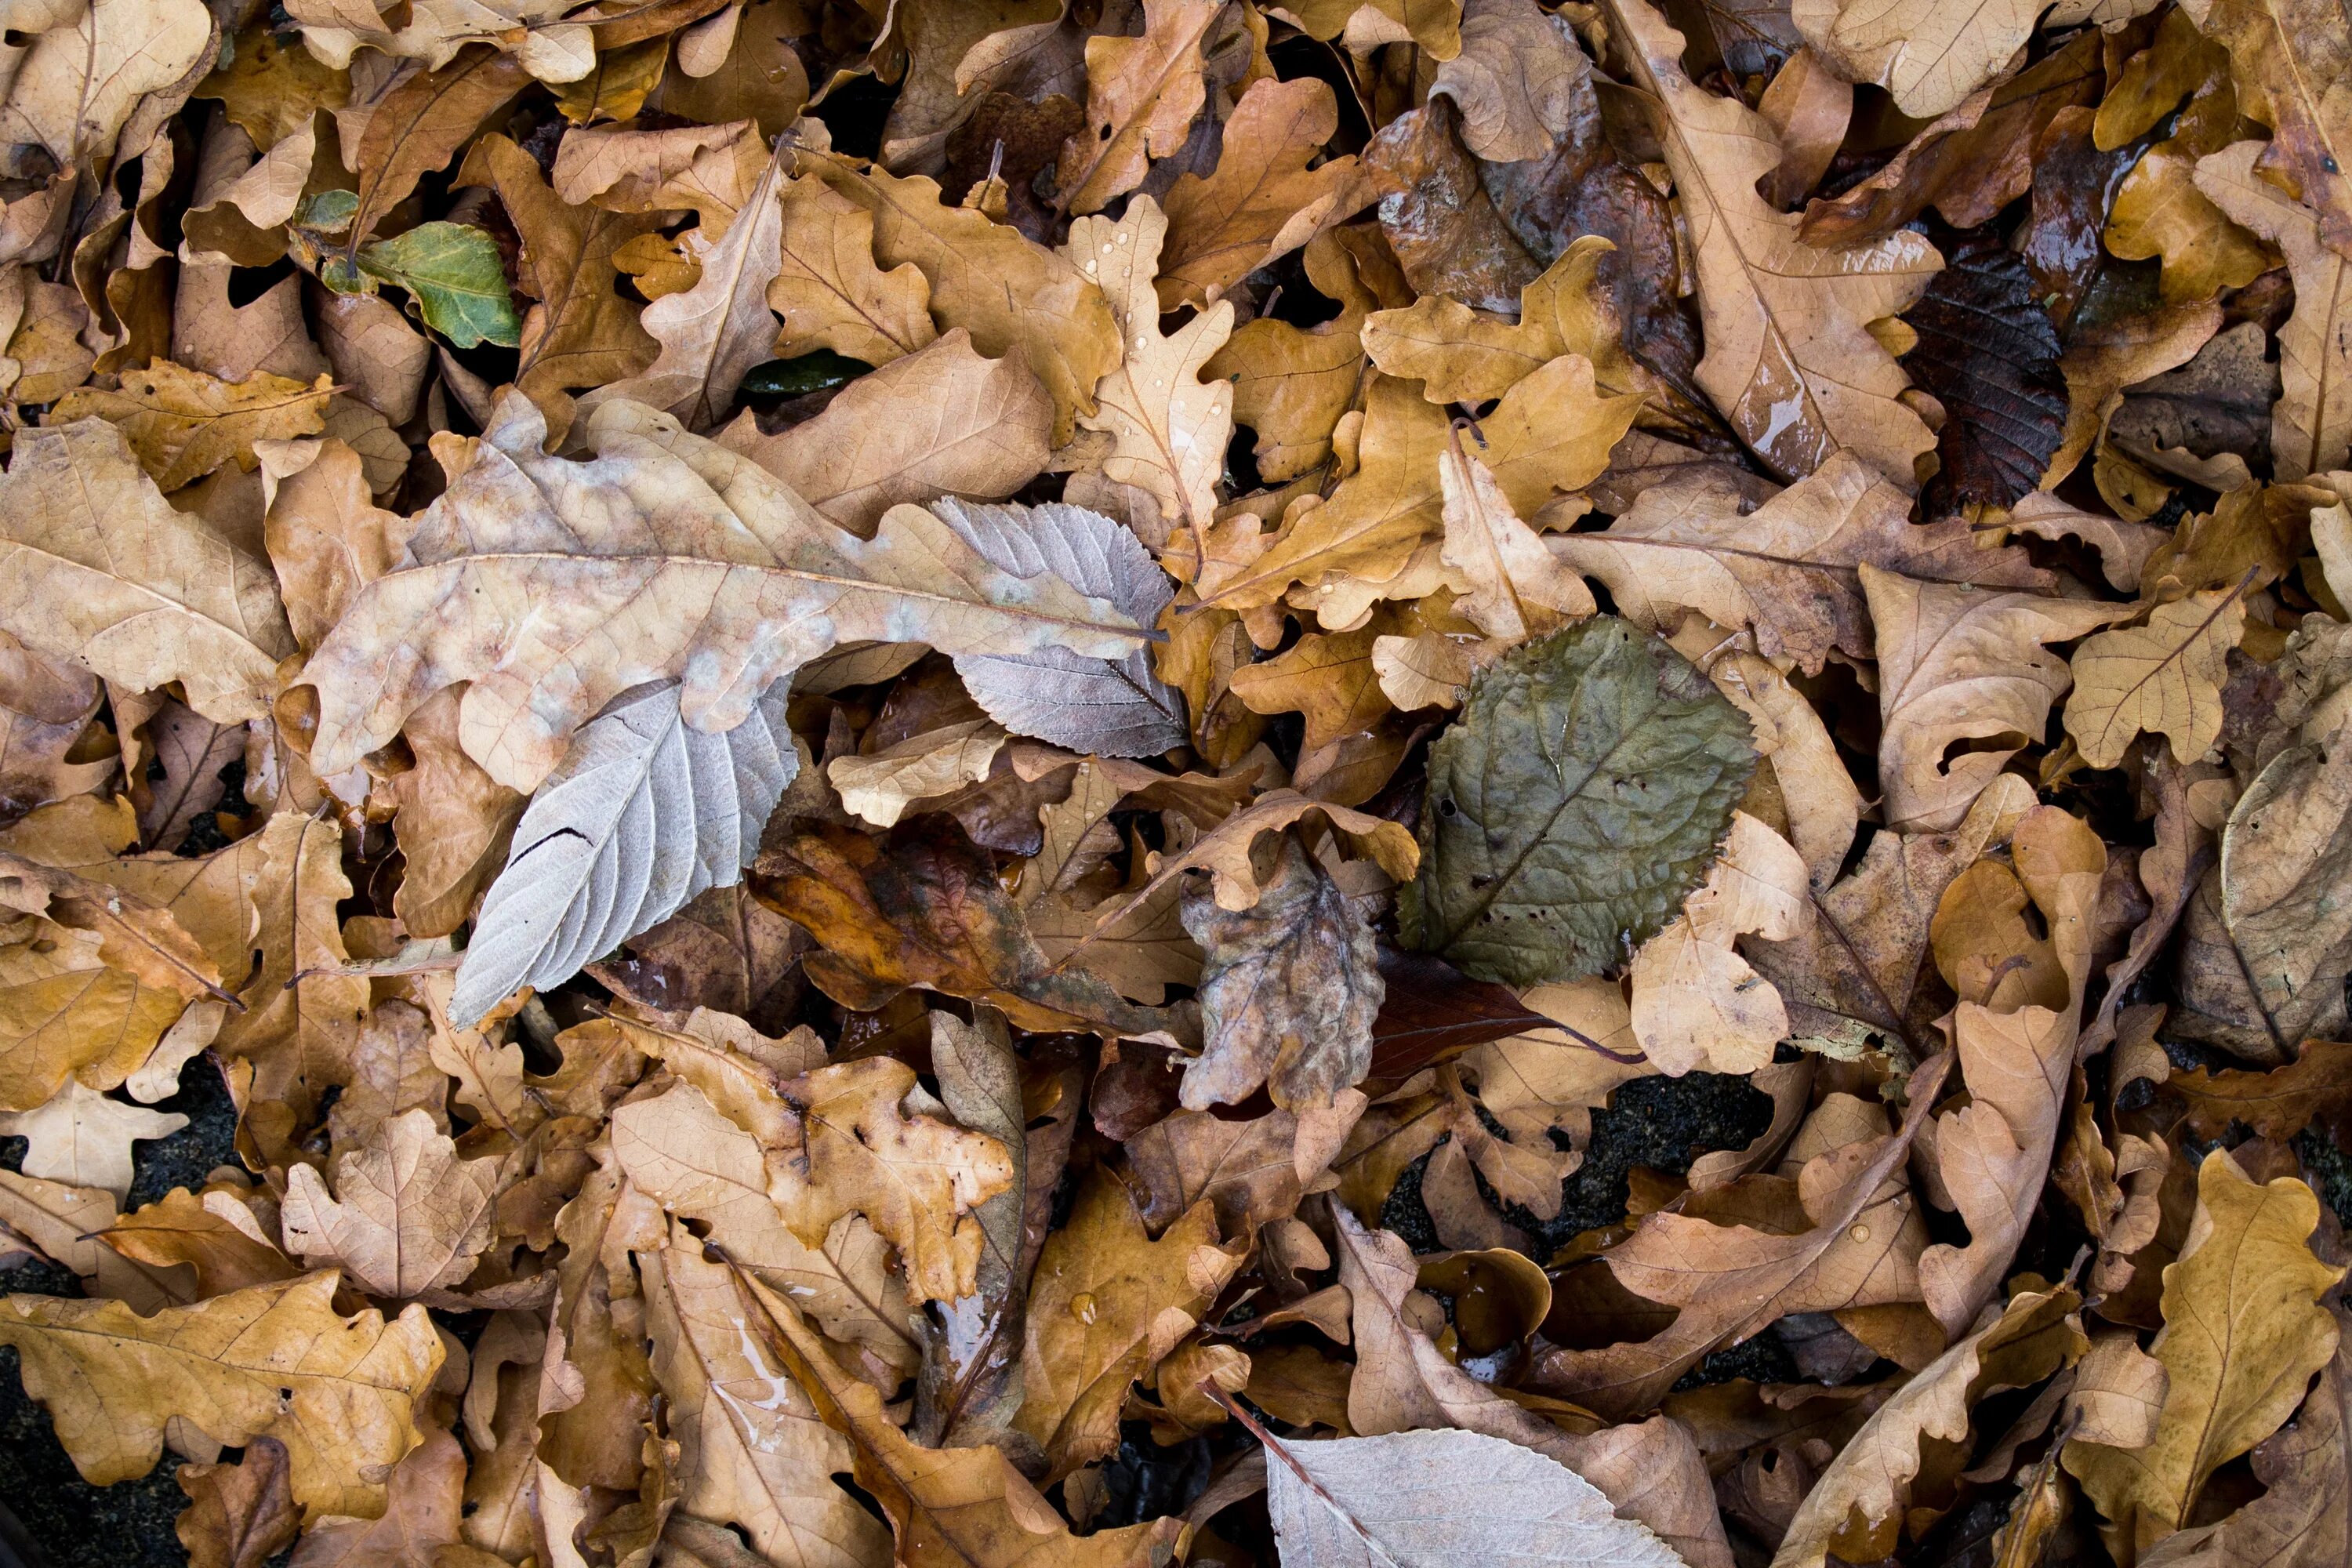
{"x":456,"y":278}
{"x":1578,"y":801}
{"x":328,"y":212}
{"x":820,"y":371}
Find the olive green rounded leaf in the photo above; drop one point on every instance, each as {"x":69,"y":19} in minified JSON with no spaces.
{"x":456,"y":278}
{"x":1577,"y":802}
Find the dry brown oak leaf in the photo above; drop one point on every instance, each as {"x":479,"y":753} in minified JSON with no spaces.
{"x":1107,"y":1304}
{"x":2243,"y":1333}
{"x":2303,"y":1517}
{"x":683,"y":1153}
{"x":752,"y":1451}
{"x":949,"y":1507}
{"x":1732,"y":1281}
{"x":1790,"y":360}
{"x":553,"y":585}
{"x":97,"y":568}
{"x":275,"y":1361}
{"x":407,"y":1214}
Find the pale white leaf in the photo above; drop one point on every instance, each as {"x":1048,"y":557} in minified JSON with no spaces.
{"x":642,"y":813}
{"x":1113,"y":708}
{"x":1442,"y":1498}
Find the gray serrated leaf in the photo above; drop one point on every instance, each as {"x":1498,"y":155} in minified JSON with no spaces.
{"x":1419,"y":1499}
{"x":643,"y":813}
{"x":1113,"y":708}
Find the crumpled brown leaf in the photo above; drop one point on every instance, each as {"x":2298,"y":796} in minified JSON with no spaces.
{"x":110,"y":1378}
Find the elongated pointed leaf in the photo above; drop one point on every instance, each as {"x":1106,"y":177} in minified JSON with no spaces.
{"x":1412,"y":1499}
{"x":642,"y":813}
{"x":1117,"y":708}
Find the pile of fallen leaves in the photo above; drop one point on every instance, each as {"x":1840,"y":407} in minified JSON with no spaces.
{"x":1132,"y":780}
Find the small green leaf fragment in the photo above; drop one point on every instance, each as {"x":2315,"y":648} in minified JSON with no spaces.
{"x":819,"y":371}
{"x":327,"y":212}
{"x":456,"y":278}
{"x":1576,"y":803}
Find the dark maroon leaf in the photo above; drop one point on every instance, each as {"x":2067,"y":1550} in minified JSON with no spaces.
{"x":1988,"y":355}
{"x":1435,"y":1012}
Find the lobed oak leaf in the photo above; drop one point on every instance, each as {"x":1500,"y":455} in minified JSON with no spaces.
{"x":86,"y":70}
{"x":83,"y":1139}
{"x":1263,"y":201}
{"x":706,"y":524}
{"x":715,"y":332}
{"x":695,"y":1162}
{"x":1108,"y":1303}
{"x":2163,"y":677}
{"x":1789,"y":361}
{"x":1462,"y":355}
{"x":2302,"y":1516}
{"x":1168,"y":430}
{"x":417,"y":127}
{"x":271,"y":1361}
{"x":240,"y":1515}
{"x":419,"y":1523}
{"x":1292,"y":385}
{"x":924,"y":908}
{"x":1695,"y":1002}
{"x":218,"y":1236}
{"x":1958,"y":665}
{"x":581,"y":333}
{"x":752,"y":1451}
{"x":827,"y":290}
{"x":942,"y":420}
{"x":96,"y":567}
{"x":2243,"y":1335}
{"x":183,"y":424}
{"x":1142,"y":95}
{"x":2278,"y":1103}
{"x":1928,"y":57}
{"x":407,"y":1216}
{"x":990,"y":279}
{"x":915,"y":1177}
{"x":1371,"y":540}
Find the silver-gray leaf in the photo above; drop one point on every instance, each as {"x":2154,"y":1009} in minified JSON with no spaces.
{"x":1437,"y":1500}
{"x":642,"y":813}
{"x":1115,"y":708}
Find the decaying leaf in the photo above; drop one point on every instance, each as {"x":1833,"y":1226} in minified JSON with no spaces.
{"x":1288,"y":991}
